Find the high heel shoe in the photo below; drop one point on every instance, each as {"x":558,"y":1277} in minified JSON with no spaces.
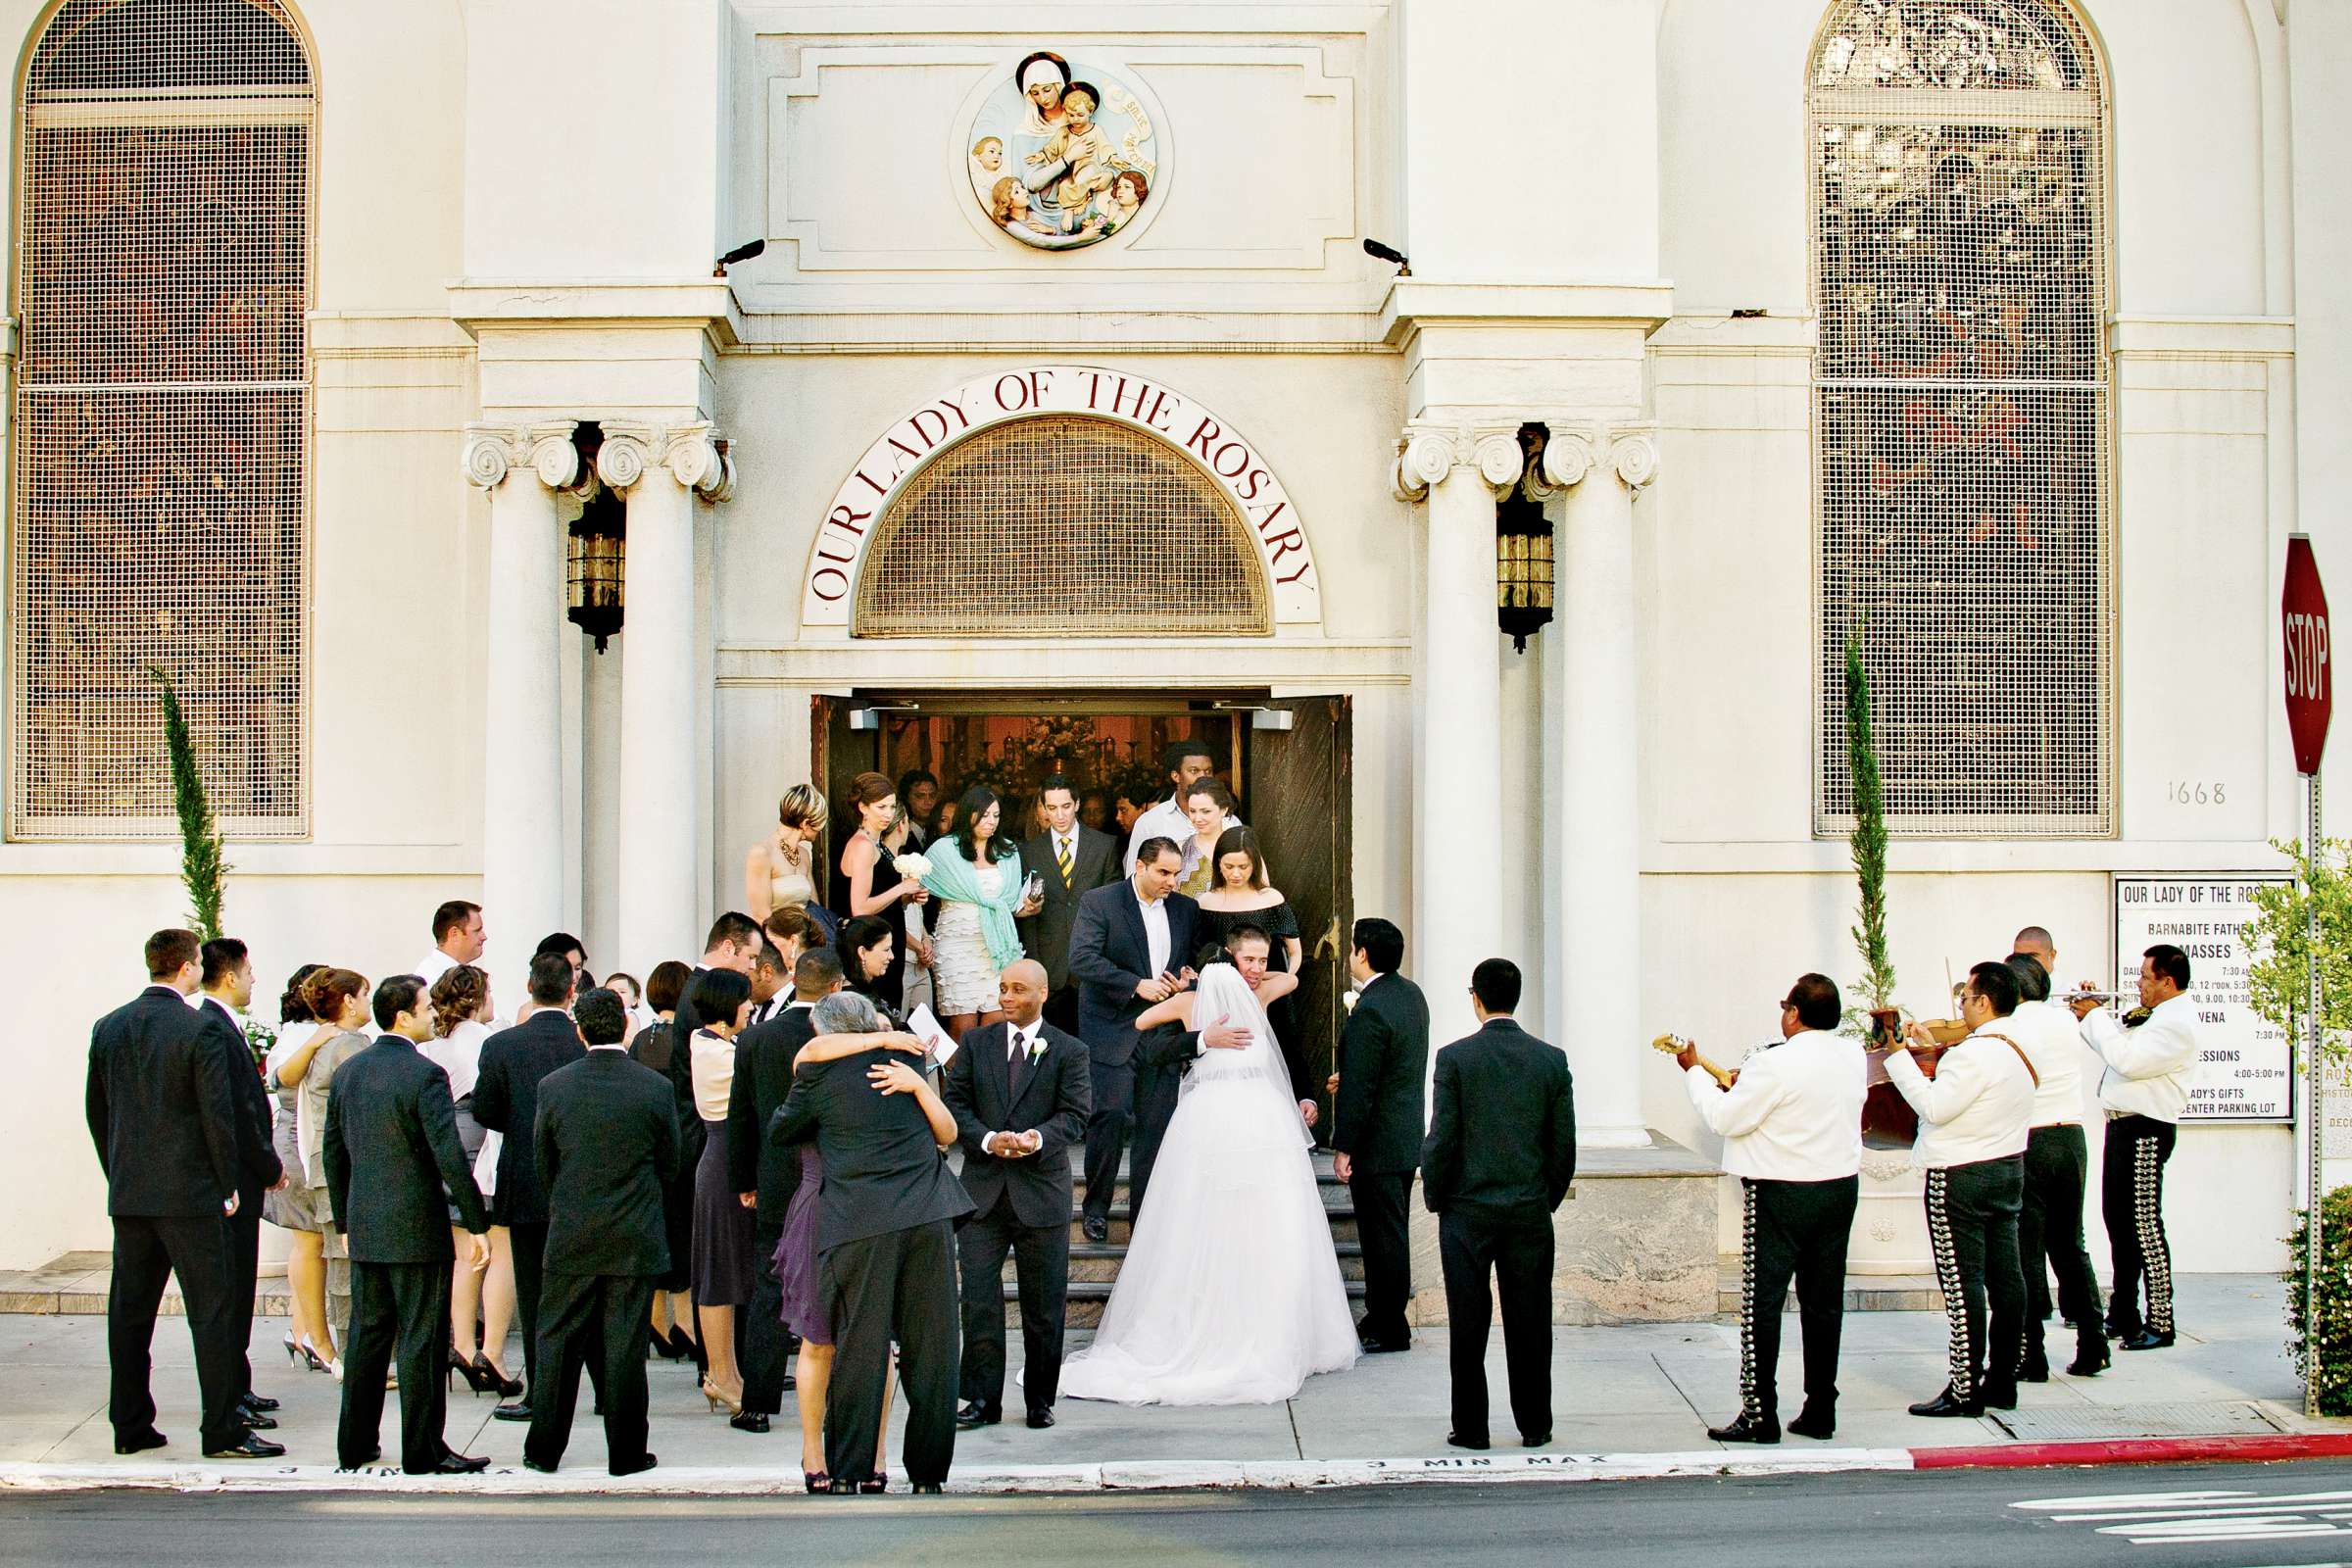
{"x":718,"y":1402}
{"x":692,"y":1350}
{"x":879,"y":1480}
{"x":666,"y":1343}
{"x":299,"y":1353}
{"x":493,"y":1378}
{"x":817,"y":1481}
{"x":477,"y":1375}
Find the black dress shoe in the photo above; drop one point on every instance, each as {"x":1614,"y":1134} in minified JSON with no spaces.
{"x":256,"y":1402}
{"x":637,"y":1466}
{"x":1525,"y":1442}
{"x":141,"y":1442}
{"x":1383,"y":1347}
{"x":745,"y":1421}
{"x":248,"y":1446}
{"x":1096,"y":1230}
{"x":1457,"y":1441}
{"x":929,"y":1488}
{"x":2036,"y":1368}
{"x":530,"y":1463}
{"x":2090,"y":1361}
{"x":2001,"y":1396}
{"x":457,"y":1464}
{"x":1947,"y":1403}
{"x":975,"y":1415}
{"x":1747,"y":1428}
{"x":1815,"y":1425}
{"x":1039,"y":1420}
{"x":2148,"y":1339}
{"x":369,"y":1458}
{"x":518,"y":1412}
{"x":842,"y":1486}
{"x":255,"y":1421}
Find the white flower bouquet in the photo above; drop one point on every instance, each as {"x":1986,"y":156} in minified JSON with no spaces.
{"x":916,"y":866}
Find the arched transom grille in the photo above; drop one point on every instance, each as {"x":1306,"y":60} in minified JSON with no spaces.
{"x":162,"y":404}
{"x":1060,"y":524}
{"x":1962,"y":410}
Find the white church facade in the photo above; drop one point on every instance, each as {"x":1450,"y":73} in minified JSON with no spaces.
{"x":353,"y":343}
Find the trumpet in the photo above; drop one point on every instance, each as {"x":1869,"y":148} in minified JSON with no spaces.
{"x":2089,"y":996}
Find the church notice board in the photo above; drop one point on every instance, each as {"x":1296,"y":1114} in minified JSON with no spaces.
{"x":2244,"y":1071}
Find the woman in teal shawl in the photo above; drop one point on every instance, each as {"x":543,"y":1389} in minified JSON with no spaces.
{"x":975,"y":881}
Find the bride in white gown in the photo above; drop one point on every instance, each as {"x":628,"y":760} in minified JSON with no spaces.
{"x":1230,"y":1292}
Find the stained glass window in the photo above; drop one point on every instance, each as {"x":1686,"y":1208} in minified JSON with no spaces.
{"x":1961,"y":413}
{"x":162,"y":405}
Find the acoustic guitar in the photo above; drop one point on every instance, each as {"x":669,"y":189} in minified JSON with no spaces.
{"x":1672,"y":1045}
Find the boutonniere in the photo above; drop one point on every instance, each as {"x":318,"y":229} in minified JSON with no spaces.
{"x":1037,"y":1047}
{"x":1347,"y":999}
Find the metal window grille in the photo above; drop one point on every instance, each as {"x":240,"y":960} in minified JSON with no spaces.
{"x":1962,"y":414}
{"x":162,"y":416}
{"x":1062,"y":525}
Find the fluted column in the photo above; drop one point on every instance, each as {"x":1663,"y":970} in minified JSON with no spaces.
{"x":1457,"y":817}
{"x":1591,"y":780}
{"x":521,"y":466}
{"x":660,"y":472}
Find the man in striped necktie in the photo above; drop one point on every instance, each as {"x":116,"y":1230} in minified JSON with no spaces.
{"x":1074,"y":859}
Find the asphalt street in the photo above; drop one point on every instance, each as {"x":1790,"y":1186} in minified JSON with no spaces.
{"x":2237,"y":1516}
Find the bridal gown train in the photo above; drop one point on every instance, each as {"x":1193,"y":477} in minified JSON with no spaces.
{"x":1231,"y":1292}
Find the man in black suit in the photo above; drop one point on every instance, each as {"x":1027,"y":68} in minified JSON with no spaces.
{"x":886,"y":1251}
{"x":505,"y":1100}
{"x":1019,"y":1091}
{"x":1500,"y":1154}
{"x":1377,"y":1123}
{"x":393,"y":1168}
{"x":164,"y":1117}
{"x":1074,"y":859}
{"x":605,"y":1140}
{"x":1130,"y":947}
{"x":764,"y":1175}
{"x":228,"y":991}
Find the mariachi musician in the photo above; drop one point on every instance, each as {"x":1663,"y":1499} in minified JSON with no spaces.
{"x":1791,"y":1121}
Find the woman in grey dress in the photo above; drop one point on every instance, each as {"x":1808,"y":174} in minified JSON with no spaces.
{"x":293,"y":1207}
{"x":306,"y":1064}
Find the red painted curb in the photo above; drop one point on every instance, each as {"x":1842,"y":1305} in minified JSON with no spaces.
{"x":2137,"y":1450}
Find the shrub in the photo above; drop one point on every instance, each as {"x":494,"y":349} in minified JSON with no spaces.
{"x":2331,"y":1378}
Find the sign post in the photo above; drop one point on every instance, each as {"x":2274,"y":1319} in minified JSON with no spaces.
{"x":2310,"y":697}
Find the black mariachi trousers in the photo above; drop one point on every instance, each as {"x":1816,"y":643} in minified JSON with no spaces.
{"x":1799,"y":1230}
{"x":1972,"y":1223}
{"x":2132,"y":1197}
{"x":2049,"y":1236}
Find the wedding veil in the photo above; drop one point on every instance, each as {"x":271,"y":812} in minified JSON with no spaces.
{"x":1225,"y":998}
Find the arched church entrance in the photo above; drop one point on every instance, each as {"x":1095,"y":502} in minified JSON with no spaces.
{"x":1086,"y":562}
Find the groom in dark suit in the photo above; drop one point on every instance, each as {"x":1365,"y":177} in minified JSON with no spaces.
{"x":1074,"y":859}
{"x":886,"y":1253}
{"x":1019,"y":1091}
{"x":606,"y":1142}
{"x":1377,"y":1123}
{"x":391,"y":1150}
{"x":1500,"y":1154}
{"x":1130,"y":948}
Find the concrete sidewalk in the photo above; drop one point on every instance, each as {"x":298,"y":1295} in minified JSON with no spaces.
{"x":1625,"y":1392}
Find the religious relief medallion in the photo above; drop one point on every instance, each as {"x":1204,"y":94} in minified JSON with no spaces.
{"x":1063,"y":155}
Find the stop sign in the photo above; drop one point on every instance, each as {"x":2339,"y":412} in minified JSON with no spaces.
{"x":2303,"y":616}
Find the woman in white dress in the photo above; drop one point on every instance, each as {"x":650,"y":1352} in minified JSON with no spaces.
{"x":976,"y":878}
{"x":1231,"y":1293}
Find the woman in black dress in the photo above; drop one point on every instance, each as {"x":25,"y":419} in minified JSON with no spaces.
{"x":1240,"y":892}
{"x":869,"y":884}
{"x":722,"y":1226}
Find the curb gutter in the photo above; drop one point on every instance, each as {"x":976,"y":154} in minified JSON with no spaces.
{"x":1187,"y":1475}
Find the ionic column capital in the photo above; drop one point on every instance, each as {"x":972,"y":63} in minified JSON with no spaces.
{"x":1627,"y":452}
{"x":494,"y":451}
{"x":1427,"y":453}
{"x":692,"y":454}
